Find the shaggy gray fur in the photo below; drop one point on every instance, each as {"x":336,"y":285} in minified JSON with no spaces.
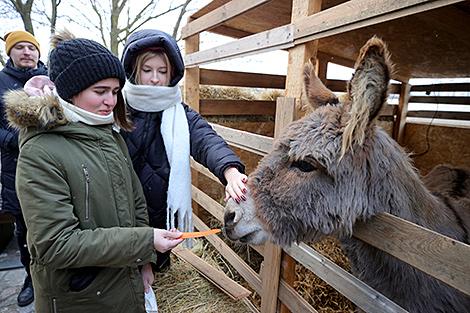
{"x":335,"y":167}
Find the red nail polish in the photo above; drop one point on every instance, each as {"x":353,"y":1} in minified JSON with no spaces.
{"x":243,"y":198}
{"x":244,"y":190}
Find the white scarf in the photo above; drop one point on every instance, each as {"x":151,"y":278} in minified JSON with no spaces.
{"x":175,"y":133}
{"x":76,"y":114}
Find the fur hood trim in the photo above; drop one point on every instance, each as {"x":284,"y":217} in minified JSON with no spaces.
{"x":23,"y":111}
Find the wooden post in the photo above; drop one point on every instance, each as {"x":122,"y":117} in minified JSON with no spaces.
{"x":191,"y":94}
{"x":285,"y":111}
{"x":399,"y":125}
{"x":321,"y":69}
{"x":300,"y":54}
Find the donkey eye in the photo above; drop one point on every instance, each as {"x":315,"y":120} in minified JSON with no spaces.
{"x":304,"y":166}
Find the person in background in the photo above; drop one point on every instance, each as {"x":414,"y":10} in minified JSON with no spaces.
{"x":81,"y":199}
{"x":23,"y":63}
{"x":167,"y":132}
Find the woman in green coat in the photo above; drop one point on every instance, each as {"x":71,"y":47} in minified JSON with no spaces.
{"x":82,"y":202}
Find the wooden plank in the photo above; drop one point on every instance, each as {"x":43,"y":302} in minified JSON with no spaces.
{"x":211,"y":206}
{"x":438,"y":122}
{"x":191,"y":91}
{"x":191,"y":75}
{"x":220,"y":15}
{"x":271,"y":277}
{"x":285,"y":114}
{"x":442,"y":87}
{"x":218,"y":278}
{"x":242,"y":79}
{"x":400,"y":122}
{"x":464,"y":116}
{"x":352,"y":288}
{"x":287,"y":294}
{"x":435,"y":254}
{"x":357,"y":14}
{"x":440,"y":100}
{"x":245,"y":140}
{"x":273,"y":39}
{"x":236,"y":107}
{"x":299,"y":55}
{"x":202,"y":169}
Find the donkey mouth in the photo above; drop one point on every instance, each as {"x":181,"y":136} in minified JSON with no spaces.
{"x":248,"y":238}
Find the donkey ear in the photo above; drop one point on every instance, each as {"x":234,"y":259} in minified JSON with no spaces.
{"x":367,"y":90}
{"x":316,"y":91}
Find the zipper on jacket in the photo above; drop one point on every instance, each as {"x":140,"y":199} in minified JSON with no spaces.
{"x":54,"y":305}
{"x":87,"y":191}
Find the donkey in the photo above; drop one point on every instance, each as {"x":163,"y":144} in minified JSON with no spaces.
{"x":334,"y":167}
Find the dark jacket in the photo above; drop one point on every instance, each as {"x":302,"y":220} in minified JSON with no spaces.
{"x":146,"y":143}
{"x":85,"y":211}
{"x":148,"y":155}
{"x":11,"y":78}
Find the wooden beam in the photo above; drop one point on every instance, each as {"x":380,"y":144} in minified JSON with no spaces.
{"x":236,"y":107}
{"x":242,"y":79}
{"x":191,"y":91}
{"x":191,"y":76}
{"x":300,"y":54}
{"x":286,"y":293}
{"x":220,"y":15}
{"x":352,"y":288}
{"x":271,"y":277}
{"x":218,"y":278}
{"x":245,"y":140}
{"x":442,"y":87}
{"x":440,"y":100}
{"x":357,"y":14}
{"x":437,"y":255}
{"x":465,"y":116}
{"x":438,"y":122}
{"x":202,"y":169}
{"x":399,"y":126}
{"x":285,"y":114}
{"x":211,"y":206}
{"x":273,"y":39}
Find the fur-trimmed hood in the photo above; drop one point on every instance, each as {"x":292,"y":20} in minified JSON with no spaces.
{"x":34,"y":115}
{"x":42,"y":112}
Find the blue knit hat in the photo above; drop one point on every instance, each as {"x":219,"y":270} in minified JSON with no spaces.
{"x":75,"y":64}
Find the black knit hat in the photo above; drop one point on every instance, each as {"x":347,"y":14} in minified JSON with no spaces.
{"x":76,"y":64}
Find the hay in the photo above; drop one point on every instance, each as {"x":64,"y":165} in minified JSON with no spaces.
{"x":183,"y":290}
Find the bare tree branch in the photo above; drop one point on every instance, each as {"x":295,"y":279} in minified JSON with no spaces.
{"x":180,"y":17}
{"x":24,"y":10}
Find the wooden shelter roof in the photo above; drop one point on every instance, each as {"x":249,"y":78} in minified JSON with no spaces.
{"x":435,"y":43}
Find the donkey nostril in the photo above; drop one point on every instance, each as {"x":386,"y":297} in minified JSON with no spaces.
{"x":229,"y":219}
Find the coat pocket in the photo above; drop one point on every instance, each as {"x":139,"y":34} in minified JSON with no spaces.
{"x":82,"y":277}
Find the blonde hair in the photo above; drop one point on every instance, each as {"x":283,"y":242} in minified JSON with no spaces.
{"x":144,"y":57}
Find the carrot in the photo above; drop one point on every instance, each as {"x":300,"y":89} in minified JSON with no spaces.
{"x":197,"y":234}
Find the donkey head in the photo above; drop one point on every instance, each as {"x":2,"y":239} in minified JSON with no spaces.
{"x":327,"y":169}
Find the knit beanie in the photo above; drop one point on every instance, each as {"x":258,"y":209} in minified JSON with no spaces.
{"x":76,"y":63}
{"x":12,"y":38}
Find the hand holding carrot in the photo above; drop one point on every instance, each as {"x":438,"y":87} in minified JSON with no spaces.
{"x":164,"y":240}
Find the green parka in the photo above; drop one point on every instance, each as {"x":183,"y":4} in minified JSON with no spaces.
{"x":84,"y":208}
